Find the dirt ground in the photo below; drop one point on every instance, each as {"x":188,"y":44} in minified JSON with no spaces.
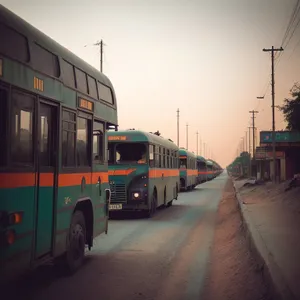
{"x":233,"y":273}
{"x":274,"y":195}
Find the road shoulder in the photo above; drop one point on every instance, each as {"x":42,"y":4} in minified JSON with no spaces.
{"x":271,"y":236}
{"x":233,"y":272}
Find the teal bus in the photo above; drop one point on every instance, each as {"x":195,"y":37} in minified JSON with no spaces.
{"x":143,"y":171}
{"x":210,"y":170}
{"x":188,"y":169}
{"x":202,"y":169}
{"x":55,"y":112}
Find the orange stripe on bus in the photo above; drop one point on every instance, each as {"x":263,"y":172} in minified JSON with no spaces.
{"x":46,"y":179}
{"x":154,"y":173}
{"x":76,"y":178}
{"x":121,"y":172}
{"x":202,"y":172}
{"x":192,"y":172}
{"x":16,"y":180}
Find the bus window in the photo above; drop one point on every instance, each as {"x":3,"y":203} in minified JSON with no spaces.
{"x":92,"y":87}
{"x":183,"y":163}
{"x":68,"y":73}
{"x":159,"y":157}
{"x":3,"y":126}
{"x":105,"y":93}
{"x":22,"y":129}
{"x":68,"y":138}
{"x":111,"y":153}
{"x":151,"y":156}
{"x":45,"y":61}
{"x":98,"y":142}
{"x":15,"y":45}
{"x":47,"y":135}
{"x":83,"y":143}
{"x":131,"y":153}
{"x":81,"y":81}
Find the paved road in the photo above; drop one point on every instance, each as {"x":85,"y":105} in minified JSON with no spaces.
{"x":160,"y":258}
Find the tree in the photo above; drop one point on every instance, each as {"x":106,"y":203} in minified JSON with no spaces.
{"x":291,"y":109}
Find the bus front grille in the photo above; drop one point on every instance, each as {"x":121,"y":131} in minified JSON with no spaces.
{"x":118,"y":192}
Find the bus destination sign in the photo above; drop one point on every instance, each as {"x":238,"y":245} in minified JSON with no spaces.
{"x":83,"y":103}
{"x":117,"y":138}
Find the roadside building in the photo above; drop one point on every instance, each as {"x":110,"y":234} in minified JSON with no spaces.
{"x":287,"y":155}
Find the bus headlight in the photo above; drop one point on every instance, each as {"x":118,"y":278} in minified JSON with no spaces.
{"x":136,"y":195}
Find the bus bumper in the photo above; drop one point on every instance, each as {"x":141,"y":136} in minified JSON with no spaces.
{"x":115,"y":207}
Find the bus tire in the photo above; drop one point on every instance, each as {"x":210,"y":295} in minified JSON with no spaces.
{"x":75,"y":243}
{"x":152,"y":210}
{"x":170,"y":203}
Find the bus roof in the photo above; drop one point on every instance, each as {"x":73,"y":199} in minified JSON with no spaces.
{"x":142,"y":136}
{"x":185,"y":152}
{"x":33,"y":34}
{"x":201,"y":158}
{"x":208,"y":162}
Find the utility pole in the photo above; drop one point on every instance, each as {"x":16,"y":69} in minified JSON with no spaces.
{"x":177,"y":127}
{"x":249,"y":140}
{"x":187,"y":136}
{"x":250,"y":165}
{"x":272,"y":50}
{"x":197,"y":142}
{"x":253,"y":112}
{"x":101,"y":44}
{"x":246,"y":148}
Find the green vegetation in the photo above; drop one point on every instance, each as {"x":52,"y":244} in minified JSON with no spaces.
{"x":291,"y":109}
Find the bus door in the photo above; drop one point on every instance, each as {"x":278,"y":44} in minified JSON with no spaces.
{"x":47,"y":169}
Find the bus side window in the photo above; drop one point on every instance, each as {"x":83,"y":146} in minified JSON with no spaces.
{"x":156,"y":155}
{"x":22,"y":129}
{"x":68,"y":138}
{"x":160,"y":157}
{"x":83,"y":144}
{"x":3,"y":126}
{"x":151,"y":156}
{"x":98,"y":142}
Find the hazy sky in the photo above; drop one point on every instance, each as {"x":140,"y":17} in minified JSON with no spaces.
{"x":203,"y":57}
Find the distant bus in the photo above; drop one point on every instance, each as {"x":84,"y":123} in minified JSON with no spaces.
{"x":210,"y":170}
{"x":54,"y":190}
{"x":188,"y":169}
{"x":202,"y":169}
{"x":143,"y":171}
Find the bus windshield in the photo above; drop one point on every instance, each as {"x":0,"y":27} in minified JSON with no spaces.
{"x":183,"y":163}
{"x":127,"y":153}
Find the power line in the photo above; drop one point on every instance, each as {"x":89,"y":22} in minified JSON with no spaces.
{"x":287,"y":36}
{"x":292,"y":19}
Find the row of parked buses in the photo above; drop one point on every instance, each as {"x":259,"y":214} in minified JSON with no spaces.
{"x":57,"y":179}
{"x":147,"y":171}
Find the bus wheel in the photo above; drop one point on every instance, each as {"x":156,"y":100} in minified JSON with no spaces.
{"x":170,"y":203}
{"x":152,"y":209}
{"x":76,"y":242}
{"x":176,"y":193}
